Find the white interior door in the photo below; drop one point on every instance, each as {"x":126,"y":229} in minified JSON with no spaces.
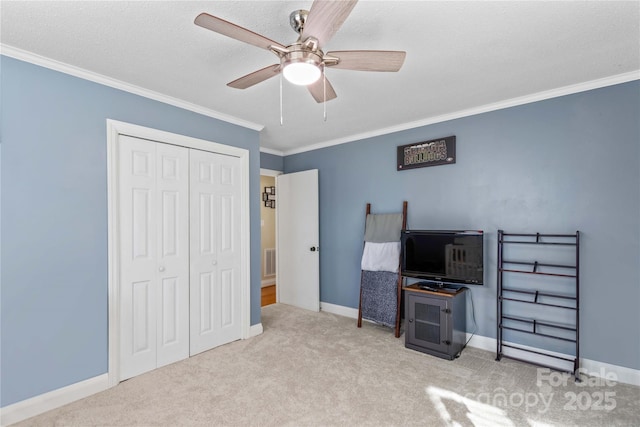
{"x":297,"y":216}
{"x":215,"y":250}
{"x":154,"y":254}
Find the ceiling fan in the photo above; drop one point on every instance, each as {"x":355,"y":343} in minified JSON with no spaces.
{"x":304,"y":62}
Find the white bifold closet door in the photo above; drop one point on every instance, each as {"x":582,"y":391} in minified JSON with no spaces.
{"x":180,"y":259}
{"x":154,"y":255}
{"x":215,"y":250}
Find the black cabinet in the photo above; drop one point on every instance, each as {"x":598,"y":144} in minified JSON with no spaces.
{"x":436,"y":321}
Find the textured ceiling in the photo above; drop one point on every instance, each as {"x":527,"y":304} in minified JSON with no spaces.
{"x":460,"y":56}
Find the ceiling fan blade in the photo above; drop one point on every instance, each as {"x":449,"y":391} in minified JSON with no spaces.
{"x":317,"y":90}
{"x":368,"y":60}
{"x":255,"y":77}
{"x":234,"y":31}
{"x":325,"y":19}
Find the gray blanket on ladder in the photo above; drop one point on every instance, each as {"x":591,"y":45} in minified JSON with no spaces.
{"x":379,"y":288}
{"x":379,"y":296}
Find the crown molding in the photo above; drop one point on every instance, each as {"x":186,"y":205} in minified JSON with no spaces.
{"x":52,"y":64}
{"x":513,"y":102}
{"x":269,"y":172}
{"x":62,"y":67}
{"x":271,"y":151}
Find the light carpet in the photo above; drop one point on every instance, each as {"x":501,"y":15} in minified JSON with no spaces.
{"x":319,"y":369}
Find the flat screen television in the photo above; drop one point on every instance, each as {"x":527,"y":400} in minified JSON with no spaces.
{"x":444,"y":257}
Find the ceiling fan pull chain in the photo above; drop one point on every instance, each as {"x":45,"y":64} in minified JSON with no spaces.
{"x":324,"y":89}
{"x":281,"y":119}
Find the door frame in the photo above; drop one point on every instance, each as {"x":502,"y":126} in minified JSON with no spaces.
{"x":114,"y":130}
{"x":273,"y":173}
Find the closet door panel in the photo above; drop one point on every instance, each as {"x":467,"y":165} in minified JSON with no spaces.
{"x":170,"y":329}
{"x":227,"y":289}
{"x":143,"y":317}
{"x":154,"y":255}
{"x":228,"y":248}
{"x":215,"y":258}
{"x":138,"y":279}
{"x":173,"y":253}
{"x":203,"y":255}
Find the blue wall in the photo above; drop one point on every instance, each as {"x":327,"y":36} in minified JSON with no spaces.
{"x":560,"y":165}
{"x":271,"y":161}
{"x":54,"y":220}
{"x":555,"y":166}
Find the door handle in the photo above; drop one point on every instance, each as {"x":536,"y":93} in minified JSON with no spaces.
{"x":161,"y":269}
{"x":214,"y":262}
{"x":314,"y":248}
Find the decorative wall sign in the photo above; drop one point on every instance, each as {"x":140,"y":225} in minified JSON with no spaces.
{"x":269,"y":197}
{"x":441,"y":151}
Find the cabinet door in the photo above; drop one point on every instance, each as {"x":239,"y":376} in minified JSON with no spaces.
{"x":428,"y":322}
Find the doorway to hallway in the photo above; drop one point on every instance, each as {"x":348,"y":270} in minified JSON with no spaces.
{"x":268,"y":206}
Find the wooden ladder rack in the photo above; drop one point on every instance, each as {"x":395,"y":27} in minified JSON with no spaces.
{"x":399,"y":284}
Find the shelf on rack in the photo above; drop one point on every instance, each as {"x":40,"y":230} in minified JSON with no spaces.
{"x":536,"y":272}
{"x":541,"y":243}
{"x":536,"y":295}
{"x":536,"y":303}
{"x":539,"y":294}
{"x":539,"y":264}
{"x":536,"y":322}
{"x":538,"y":235}
{"x":541,"y":353}
{"x":540,"y":334}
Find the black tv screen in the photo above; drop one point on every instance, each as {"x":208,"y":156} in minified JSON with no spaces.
{"x":443,"y":256}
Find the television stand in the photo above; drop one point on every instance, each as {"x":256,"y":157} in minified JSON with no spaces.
{"x":436,"y":320}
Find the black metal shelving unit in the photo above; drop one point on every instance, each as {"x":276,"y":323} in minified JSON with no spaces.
{"x":563,"y":299}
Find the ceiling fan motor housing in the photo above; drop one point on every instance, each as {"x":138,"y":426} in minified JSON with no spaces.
{"x":297,"y":18}
{"x":298,"y":53}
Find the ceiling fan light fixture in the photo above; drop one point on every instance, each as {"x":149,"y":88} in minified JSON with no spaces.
{"x":302,"y":73}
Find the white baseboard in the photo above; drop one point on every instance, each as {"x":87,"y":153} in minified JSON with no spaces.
{"x":37,"y":405}
{"x":622,"y":373}
{"x":255,"y":330}
{"x":267,"y":282}
{"x":339,"y":310}
{"x":590,"y":367}
{"x":54,"y":399}
{"x":587,"y":366}
{"x":481,"y":342}
{"x":490,"y":344}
